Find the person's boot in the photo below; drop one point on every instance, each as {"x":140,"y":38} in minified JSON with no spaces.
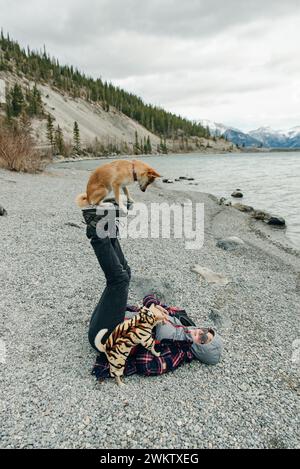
{"x":109,"y":209}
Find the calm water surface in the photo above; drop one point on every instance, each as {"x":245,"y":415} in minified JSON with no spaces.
{"x":269,"y":181}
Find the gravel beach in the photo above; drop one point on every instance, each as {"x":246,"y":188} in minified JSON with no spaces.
{"x":50,"y":284}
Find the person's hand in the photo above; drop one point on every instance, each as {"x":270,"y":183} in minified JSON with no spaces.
{"x":163,"y":310}
{"x":196,"y":335}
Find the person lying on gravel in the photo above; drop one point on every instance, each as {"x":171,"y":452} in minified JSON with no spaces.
{"x":179,"y":340}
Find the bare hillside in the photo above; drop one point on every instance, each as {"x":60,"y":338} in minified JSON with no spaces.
{"x":108,"y":127}
{"x":93,"y":121}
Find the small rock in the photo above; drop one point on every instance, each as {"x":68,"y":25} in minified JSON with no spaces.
{"x":230,"y":244}
{"x":87,"y":420}
{"x":260,"y":215}
{"x":243,"y":387}
{"x":224,"y":201}
{"x":191,"y":179}
{"x":243,"y":208}
{"x":237,"y":194}
{"x":3,"y":212}
{"x":167,"y":181}
{"x":183,"y":178}
{"x":275,"y":220}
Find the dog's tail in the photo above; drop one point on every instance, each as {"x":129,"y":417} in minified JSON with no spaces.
{"x":82,"y":200}
{"x":98,"y":340}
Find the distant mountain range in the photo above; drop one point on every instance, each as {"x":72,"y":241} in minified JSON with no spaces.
{"x":262,"y":137}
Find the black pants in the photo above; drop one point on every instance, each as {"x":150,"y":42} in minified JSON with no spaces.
{"x":111,"y":308}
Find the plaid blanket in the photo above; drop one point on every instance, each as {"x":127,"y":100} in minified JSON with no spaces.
{"x":142,"y":362}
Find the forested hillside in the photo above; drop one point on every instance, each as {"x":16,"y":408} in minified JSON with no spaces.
{"x":39,"y":67}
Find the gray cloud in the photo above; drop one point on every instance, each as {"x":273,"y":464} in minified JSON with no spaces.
{"x":201,"y":58}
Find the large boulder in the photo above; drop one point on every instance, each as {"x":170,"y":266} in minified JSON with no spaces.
{"x":230,"y":244}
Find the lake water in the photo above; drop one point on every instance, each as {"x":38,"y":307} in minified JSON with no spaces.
{"x":269,"y":181}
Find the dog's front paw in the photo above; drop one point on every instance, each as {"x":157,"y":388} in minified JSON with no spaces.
{"x":123,"y":209}
{"x":119,"y":381}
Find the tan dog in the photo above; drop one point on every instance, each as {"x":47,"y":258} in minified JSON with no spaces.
{"x":115,"y":176}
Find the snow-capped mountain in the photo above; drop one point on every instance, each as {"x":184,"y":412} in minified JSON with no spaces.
{"x":277,"y":138}
{"x":269,"y":137}
{"x":231,"y":133}
{"x":262,"y":137}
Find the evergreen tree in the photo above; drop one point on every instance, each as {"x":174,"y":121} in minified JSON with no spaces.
{"x":17,"y":100}
{"x":76,"y":137}
{"x":149,"y":146}
{"x":59,"y":141}
{"x":136,"y":149}
{"x":50,"y":134}
{"x":38,"y":66}
{"x":145,"y":146}
{"x":34,"y":100}
{"x":8,"y":108}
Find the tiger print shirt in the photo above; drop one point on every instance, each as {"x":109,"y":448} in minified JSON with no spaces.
{"x":143,"y":362}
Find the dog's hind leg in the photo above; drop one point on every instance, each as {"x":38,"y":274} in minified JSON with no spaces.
{"x":98,"y":195}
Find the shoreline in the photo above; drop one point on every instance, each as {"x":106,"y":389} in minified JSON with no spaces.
{"x":52,"y":285}
{"x":279,"y":235}
{"x":110,"y":157}
{"x":103,"y":157}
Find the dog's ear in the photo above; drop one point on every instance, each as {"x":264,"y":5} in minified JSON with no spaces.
{"x":153,"y":173}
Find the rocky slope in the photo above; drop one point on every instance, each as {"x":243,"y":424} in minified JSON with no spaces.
{"x":96,"y":124}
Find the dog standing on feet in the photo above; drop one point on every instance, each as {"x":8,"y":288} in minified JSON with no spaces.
{"x":115,"y":176}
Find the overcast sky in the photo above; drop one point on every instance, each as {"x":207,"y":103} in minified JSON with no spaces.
{"x":233,"y":61}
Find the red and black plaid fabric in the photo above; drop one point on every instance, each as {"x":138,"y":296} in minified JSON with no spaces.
{"x":142,"y":362}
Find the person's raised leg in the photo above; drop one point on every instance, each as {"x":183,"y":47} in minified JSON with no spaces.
{"x":111,"y":308}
